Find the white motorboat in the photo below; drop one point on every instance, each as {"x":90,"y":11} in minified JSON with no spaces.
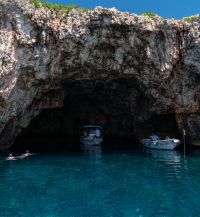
{"x":167,"y":144}
{"x":91,"y":135}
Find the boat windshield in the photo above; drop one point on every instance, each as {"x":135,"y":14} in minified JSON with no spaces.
{"x":92,"y":130}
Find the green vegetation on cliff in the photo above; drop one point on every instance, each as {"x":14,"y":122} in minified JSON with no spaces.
{"x":192,"y":19}
{"x":149,"y":14}
{"x":56,"y":7}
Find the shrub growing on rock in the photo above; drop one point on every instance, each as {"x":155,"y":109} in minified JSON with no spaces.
{"x":192,"y":19}
{"x":56,"y":7}
{"x":149,"y":14}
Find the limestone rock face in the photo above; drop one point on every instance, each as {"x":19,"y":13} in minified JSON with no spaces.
{"x":131,"y":67}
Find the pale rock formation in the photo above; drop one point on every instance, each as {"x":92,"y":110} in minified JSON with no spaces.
{"x":136,"y":67}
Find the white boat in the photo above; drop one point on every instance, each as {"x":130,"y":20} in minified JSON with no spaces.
{"x":167,"y":144}
{"x":91,"y":135}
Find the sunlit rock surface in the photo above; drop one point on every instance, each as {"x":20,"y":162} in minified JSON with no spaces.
{"x":117,"y":69}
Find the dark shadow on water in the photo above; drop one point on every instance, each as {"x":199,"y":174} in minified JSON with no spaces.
{"x":46,"y":144}
{"x":65,"y":145}
{"x":57,"y":144}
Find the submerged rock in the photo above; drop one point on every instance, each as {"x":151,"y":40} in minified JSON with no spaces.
{"x":126,"y":68}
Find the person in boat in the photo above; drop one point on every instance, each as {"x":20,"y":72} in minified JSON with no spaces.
{"x":85,"y":133}
{"x":167,"y":138}
{"x":97,"y":133}
{"x":154,"y":137}
{"x":10,"y":157}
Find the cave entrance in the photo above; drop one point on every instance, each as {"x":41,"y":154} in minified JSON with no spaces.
{"x":161,"y":124}
{"x":119,"y":106}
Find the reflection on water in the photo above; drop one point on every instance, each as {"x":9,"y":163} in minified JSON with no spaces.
{"x":93,"y":151}
{"x":163,"y":155}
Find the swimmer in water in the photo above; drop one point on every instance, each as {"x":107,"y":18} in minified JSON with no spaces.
{"x":11,"y":157}
{"x":26,"y":154}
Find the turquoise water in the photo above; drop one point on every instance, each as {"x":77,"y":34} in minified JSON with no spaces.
{"x":94,"y":182}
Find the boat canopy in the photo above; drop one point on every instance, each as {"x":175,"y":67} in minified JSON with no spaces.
{"x":92,"y":126}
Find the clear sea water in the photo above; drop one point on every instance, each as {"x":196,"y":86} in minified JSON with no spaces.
{"x":98,"y":182}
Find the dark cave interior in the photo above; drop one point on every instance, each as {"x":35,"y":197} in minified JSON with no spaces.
{"x":119,"y":106}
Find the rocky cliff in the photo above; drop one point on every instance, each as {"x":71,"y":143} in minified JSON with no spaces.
{"x":132,"y":74}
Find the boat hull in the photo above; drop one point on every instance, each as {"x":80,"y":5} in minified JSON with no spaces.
{"x":91,"y":140}
{"x":169,"y":144}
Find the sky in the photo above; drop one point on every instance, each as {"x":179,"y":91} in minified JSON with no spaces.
{"x":166,"y":8}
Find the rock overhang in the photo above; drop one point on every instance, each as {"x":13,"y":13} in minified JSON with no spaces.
{"x":41,"y":50}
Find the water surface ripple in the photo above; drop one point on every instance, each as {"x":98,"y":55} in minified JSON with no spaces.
{"x":139,"y":183}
